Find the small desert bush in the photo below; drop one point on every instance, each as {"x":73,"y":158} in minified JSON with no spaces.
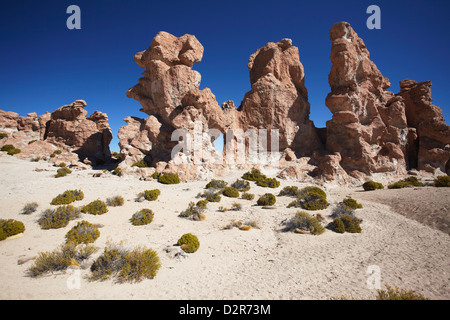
{"x":115,"y":201}
{"x":14,"y":151}
{"x":62,"y":172}
{"x":202,"y":203}
{"x":211,"y":195}
{"x":3,"y":135}
{"x":59,"y":217}
{"x":398,"y":294}
{"x":407,"y":182}
{"x":291,"y":191}
{"x":56,"y":152}
{"x":216,"y":184}
{"x":60,"y":259}
{"x":267,"y":199}
{"x":141,"y":164}
{"x":236,"y":206}
{"x":253,"y":175}
{"x":346,"y":223}
{"x":29,"y":208}
{"x":95,"y":207}
{"x":268,"y":183}
{"x":116,"y":171}
{"x":169,"y":178}
{"x":155,"y":175}
{"x":244,"y":226}
{"x":10,"y":227}
{"x":7,"y":147}
{"x":142,"y":217}
{"x":247,"y":196}
{"x":311,"y":189}
{"x":223,"y":209}
{"x":150,"y":195}
{"x":442,"y":181}
{"x":62,"y":165}
{"x":189,"y":243}
{"x":372,"y":185}
{"x":304,"y":221}
{"x":126,"y":265}
{"x":352,"y":203}
{"x":68,"y":197}
{"x":342,"y":209}
{"x":194,"y":211}
{"x":83,"y":232}
{"x":230,"y":192}
{"x":241,"y":185}
{"x":314,"y":201}
{"x":35,"y":159}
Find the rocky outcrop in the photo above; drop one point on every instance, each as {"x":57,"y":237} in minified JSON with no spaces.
{"x":67,"y":128}
{"x":89,"y":137}
{"x":431,"y":147}
{"x":278,"y":98}
{"x":369,"y":128}
{"x":169,"y":93}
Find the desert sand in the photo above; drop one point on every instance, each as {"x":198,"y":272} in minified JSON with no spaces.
{"x":404,"y":234}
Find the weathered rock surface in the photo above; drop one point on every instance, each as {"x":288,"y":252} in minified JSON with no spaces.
{"x":89,"y":137}
{"x":369,"y":128}
{"x":431,"y":146}
{"x":67,"y":128}
{"x":278,"y":98}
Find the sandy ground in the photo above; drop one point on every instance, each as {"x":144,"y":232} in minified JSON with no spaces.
{"x":410,"y":250}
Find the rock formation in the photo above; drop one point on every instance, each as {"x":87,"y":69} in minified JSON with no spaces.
{"x":169,"y":94}
{"x":278,"y":98}
{"x":369,"y":128}
{"x":67,"y":128}
{"x":431,"y":147}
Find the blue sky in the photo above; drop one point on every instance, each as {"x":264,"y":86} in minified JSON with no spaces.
{"x":44,"y":65}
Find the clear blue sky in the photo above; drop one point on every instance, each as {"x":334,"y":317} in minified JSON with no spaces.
{"x":44,"y":65}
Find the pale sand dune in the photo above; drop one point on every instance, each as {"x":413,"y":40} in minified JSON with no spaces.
{"x":263,"y":263}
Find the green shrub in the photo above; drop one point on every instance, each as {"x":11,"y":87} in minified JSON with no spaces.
{"x":59,"y":217}
{"x":126,"y":265}
{"x":13,"y":151}
{"x":267,"y":199}
{"x":62,"y":172}
{"x":194,"y":211}
{"x":7,"y":147}
{"x":60,"y":259}
{"x":290,"y":191}
{"x":372,"y":185}
{"x":95,"y":207}
{"x":68,"y":197}
{"x":268,"y":183}
{"x":142,"y":217}
{"x":155,"y":175}
{"x":211,"y":195}
{"x":398,"y":294}
{"x":236,"y":206}
{"x":352,"y":203}
{"x":3,"y":135}
{"x":35,"y":159}
{"x":230,"y":192}
{"x":351,"y":224}
{"x":169,"y":178}
{"x":253,"y":175}
{"x":241,"y":185}
{"x":189,"y":243}
{"x":32,"y":141}
{"x":247,"y":196}
{"x":407,"y":182}
{"x":116,"y":155}
{"x":202,"y":203}
{"x":29,"y":208}
{"x":57,"y":151}
{"x":442,"y":181}
{"x":10,"y":227}
{"x":304,"y":221}
{"x":150,"y":195}
{"x":116,"y":171}
{"x":141,"y":164}
{"x":312,"y":200}
{"x":216,"y":184}
{"x":338,"y":225}
{"x":312,"y":190}
{"x":115,"y":201}
{"x":342,"y":209}
{"x":83,"y":232}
